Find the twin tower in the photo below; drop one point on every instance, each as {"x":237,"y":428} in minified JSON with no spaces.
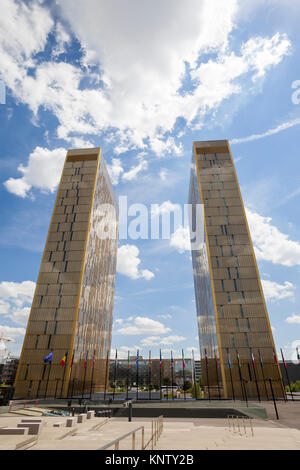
{"x":67,"y":343}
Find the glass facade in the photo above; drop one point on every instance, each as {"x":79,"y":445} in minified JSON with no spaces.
{"x":236,"y":343}
{"x":71,"y":313}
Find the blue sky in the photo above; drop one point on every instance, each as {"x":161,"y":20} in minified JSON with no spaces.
{"x":143,"y":80}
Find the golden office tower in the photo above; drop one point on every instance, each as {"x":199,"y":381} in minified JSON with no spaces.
{"x":236,"y":343}
{"x":73,"y":303}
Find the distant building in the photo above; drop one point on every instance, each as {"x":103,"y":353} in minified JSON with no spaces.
{"x":293,"y":370}
{"x":198,"y":370}
{"x":9,"y":370}
{"x":149,"y":374}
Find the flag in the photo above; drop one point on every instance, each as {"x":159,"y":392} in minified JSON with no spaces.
{"x":283,"y":359}
{"x":128,"y":360}
{"x":85,"y":361}
{"x":298,"y":356}
{"x":160,"y":359}
{"x":229,"y":362}
{"x":48,"y":358}
{"x":72,"y":360}
{"x":216,"y":358}
{"x":172,"y":360}
{"x":238,"y":359}
{"x":253,"y":360}
{"x":183,"y":361}
{"x":116,"y":359}
{"x":149,"y":359}
{"x":63,"y":360}
{"x":137,"y":359}
{"x":261,"y":361}
{"x":274,"y":356}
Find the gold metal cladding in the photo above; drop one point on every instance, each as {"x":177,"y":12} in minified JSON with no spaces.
{"x":255,"y":263}
{"x":211,"y":278}
{"x":37,"y":282}
{"x":81,"y":155}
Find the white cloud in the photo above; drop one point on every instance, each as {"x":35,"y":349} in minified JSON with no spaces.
{"x":143,"y":325}
{"x":135,"y":170}
{"x":289,"y":351}
{"x":157,"y":340}
{"x":15,"y":298}
{"x":115,"y":170}
{"x":180,"y":239}
{"x":140,"y":100}
{"x":269,"y":243}
{"x":293,"y":319}
{"x":274,"y":291}
{"x":11,"y":332}
{"x":274,"y":130}
{"x":128,"y":263}
{"x":43,"y":171}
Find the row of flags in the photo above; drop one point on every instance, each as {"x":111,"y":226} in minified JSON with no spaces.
{"x":49,"y":357}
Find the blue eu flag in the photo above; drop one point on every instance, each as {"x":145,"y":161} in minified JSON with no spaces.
{"x":48,"y":358}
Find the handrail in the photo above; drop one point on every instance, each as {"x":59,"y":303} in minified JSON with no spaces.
{"x":21,"y":402}
{"x":116,"y":441}
{"x":231,"y":424}
{"x":156,"y":430}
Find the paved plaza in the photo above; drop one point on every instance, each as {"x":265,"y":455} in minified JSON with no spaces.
{"x":177,"y":434}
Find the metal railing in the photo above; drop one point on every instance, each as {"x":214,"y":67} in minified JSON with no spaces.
{"x":21,"y":403}
{"x":156,"y":430}
{"x":238,"y":423}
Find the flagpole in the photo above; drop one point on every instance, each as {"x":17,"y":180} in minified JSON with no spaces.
{"x":84,"y":376}
{"x":149,"y":376}
{"x":172,"y":378}
{"x":255,"y":378}
{"x":287,"y":375}
{"x":106,"y":375}
{"x":63,"y":379}
{"x":127,"y":381}
{"x":217,"y":374}
{"x":194,"y":375}
{"x":279,"y":376}
{"x":240,"y":373}
{"x":263,"y":373}
{"x":92,"y":373}
{"x":183,"y":372}
{"x":71,"y":367}
{"x":115,"y":375}
{"x":229,"y":364}
{"x":137,"y":375}
{"x":49,"y":371}
{"x":207,"y":380}
{"x":160,"y":366}
{"x":48,"y":379}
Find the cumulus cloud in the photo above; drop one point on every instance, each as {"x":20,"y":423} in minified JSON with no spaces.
{"x":128,"y":262}
{"x":157,"y":340}
{"x":15,"y":302}
{"x":180,"y":239}
{"x":136,"y":93}
{"x":269,"y":243}
{"x":293,"y":319}
{"x":274,"y":291}
{"x":43,"y":171}
{"x":143,"y":325}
